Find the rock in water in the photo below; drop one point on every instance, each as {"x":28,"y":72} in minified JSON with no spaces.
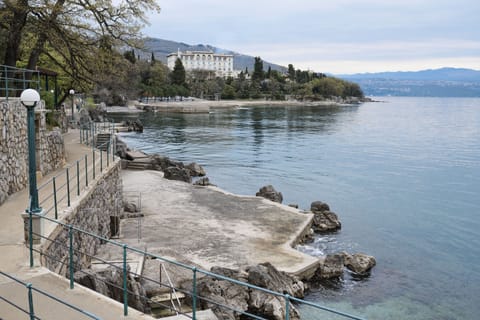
{"x":270,"y":193}
{"x":359,"y":263}
{"x":325,"y":221}
{"x":331,"y":267}
{"x":319,"y":206}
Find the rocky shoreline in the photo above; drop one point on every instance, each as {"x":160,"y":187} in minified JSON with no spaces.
{"x":195,"y":105}
{"x":324,"y":221}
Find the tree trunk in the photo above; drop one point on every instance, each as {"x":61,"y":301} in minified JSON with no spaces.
{"x":19,"y":19}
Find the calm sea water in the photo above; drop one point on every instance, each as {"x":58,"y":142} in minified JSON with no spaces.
{"x":403,"y":175}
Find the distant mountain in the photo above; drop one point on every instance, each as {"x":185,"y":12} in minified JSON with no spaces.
{"x":443,"y":74}
{"x":444,"y":82}
{"x":161,"y":48}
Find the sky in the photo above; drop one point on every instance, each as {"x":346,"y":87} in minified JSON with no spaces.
{"x":334,"y":36}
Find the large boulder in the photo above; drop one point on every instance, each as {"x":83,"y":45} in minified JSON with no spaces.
{"x":109,"y":282}
{"x":331,"y":266}
{"x":265,"y":275}
{"x":221,"y":292}
{"x":176,"y":173}
{"x":359,"y":263}
{"x":270,"y":193}
{"x":319,"y":206}
{"x":244,"y":299}
{"x":325,"y":221}
{"x":196,"y":170}
{"x":162,"y":163}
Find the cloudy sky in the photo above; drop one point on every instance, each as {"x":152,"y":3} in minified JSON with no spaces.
{"x":334,"y":36}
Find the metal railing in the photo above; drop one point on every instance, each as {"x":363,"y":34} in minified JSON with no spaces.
{"x":58,"y":192}
{"x":30,"y":310}
{"x":88,"y":131}
{"x":15,"y":80}
{"x":187,"y":285}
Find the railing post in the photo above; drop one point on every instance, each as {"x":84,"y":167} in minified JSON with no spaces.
{"x":125,"y":288}
{"x":30,"y":235}
{"x":30,"y":302}
{"x":78,"y":178}
{"x":86,"y":170}
{"x":194,"y":293}
{"x":94,"y":164}
{"x":101,"y":160}
{"x":108,"y":154}
{"x":68,"y":189}
{"x":55,"y":197}
{"x":70,"y":255}
{"x":287,"y":307}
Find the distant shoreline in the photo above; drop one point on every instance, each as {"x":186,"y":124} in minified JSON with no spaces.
{"x":206,"y":106}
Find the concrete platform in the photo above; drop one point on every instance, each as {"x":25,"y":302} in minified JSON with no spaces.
{"x":209,"y":227}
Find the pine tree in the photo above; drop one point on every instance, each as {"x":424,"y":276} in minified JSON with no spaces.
{"x":178,"y":74}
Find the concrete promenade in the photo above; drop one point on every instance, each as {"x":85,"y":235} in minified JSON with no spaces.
{"x":14,"y":258}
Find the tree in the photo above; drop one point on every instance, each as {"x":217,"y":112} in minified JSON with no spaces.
{"x":291,"y":72}
{"x":130,"y":56}
{"x":178,"y":74}
{"x":258,"y":73}
{"x":69,"y":33}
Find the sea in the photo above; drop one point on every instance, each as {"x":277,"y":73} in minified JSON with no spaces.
{"x":403,"y":175}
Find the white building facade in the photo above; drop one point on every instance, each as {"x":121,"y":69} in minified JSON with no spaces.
{"x":221,"y":64}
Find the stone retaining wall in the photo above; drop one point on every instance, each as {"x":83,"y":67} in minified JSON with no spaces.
{"x":90,"y":213}
{"x":14,"y":147}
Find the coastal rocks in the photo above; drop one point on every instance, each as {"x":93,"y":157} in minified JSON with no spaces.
{"x":203,"y":182}
{"x":270,"y":193}
{"x":177,"y":173}
{"x":135,"y":126}
{"x":109,"y":282}
{"x":359,"y":263}
{"x":324,"y":220}
{"x":249,"y":300}
{"x":331,"y":266}
{"x":195,"y":169}
{"x":266,"y":276}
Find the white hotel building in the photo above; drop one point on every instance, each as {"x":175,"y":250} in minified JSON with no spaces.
{"x":221,"y":64}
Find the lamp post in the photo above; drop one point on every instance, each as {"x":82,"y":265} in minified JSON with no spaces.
{"x":72,"y":93}
{"x":29,"y":99}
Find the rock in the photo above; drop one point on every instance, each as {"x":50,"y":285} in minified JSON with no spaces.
{"x":203,"y":182}
{"x":223,"y":292}
{"x":331,"y":267}
{"x":176,"y":173}
{"x":130,"y":207}
{"x":270,"y":193}
{"x":195,"y":169}
{"x":359,"y":263}
{"x":162,"y":163}
{"x":266,"y":276}
{"x":319,"y":206}
{"x":249,"y":300}
{"x":121,"y":148}
{"x":325,"y":221}
{"x":109,"y":282}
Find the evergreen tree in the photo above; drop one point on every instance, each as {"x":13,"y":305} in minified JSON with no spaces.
{"x":258,"y":73}
{"x":291,"y":72}
{"x":178,"y":74}
{"x":269,"y":72}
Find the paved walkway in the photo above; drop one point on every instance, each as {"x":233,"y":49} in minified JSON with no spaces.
{"x":14,"y":255}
